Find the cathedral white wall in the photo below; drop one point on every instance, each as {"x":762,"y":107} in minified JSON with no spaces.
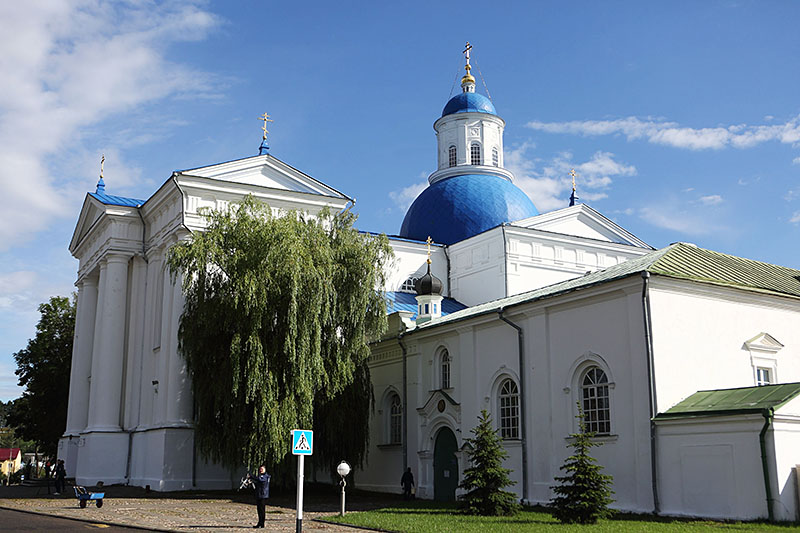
{"x":410,"y":261}
{"x":477,"y":268}
{"x":699,"y":333}
{"x":786,"y":439}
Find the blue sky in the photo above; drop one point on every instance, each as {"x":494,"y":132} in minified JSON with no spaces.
{"x":682,"y":119}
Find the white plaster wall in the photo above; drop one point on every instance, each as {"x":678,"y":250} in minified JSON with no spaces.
{"x":786,"y":438}
{"x":699,"y":333}
{"x":410,"y":260}
{"x":711,"y":467}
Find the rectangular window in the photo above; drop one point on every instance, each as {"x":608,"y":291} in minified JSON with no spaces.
{"x":763,"y":376}
{"x":426,"y":309}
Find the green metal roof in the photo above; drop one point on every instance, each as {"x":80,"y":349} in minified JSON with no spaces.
{"x":733,"y":401}
{"x":679,"y":261}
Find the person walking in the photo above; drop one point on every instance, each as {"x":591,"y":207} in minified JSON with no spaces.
{"x":61,"y":476}
{"x":261,"y":483}
{"x":407,"y":482}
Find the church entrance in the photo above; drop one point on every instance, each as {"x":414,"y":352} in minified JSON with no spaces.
{"x":445,"y":466}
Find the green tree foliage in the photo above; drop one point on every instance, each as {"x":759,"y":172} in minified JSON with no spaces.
{"x":275,"y":328}
{"x":486,"y":478}
{"x":43,"y":368}
{"x":585,"y":492}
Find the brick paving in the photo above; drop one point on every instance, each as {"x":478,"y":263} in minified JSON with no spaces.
{"x":194,"y":511}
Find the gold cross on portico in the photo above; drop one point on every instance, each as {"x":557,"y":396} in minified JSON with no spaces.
{"x":102,"y":160}
{"x":573,"y":174}
{"x":429,"y":241}
{"x":266,"y":119}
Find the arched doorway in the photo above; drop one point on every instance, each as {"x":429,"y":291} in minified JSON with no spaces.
{"x":445,"y":466}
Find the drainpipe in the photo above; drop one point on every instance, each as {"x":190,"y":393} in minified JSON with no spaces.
{"x":405,"y":401}
{"x":523,"y":425}
{"x":762,"y":439}
{"x":651,"y":391}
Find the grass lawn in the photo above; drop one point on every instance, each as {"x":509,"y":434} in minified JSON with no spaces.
{"x":435,"y":517}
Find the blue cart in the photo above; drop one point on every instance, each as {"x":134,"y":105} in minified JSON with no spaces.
{"x":84,"y":497}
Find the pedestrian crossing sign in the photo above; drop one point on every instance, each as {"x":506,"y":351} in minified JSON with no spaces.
{"x":302,"y":441}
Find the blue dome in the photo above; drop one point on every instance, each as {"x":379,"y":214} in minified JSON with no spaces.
{"x":469,"y":103}
{"x":459,"y":207}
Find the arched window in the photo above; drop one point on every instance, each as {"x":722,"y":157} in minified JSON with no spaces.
{"x":451,"y":156}
{"x":595,"y":401}
{"x":509,"y":410}
{"x":475,"y":153}
{"x":395,"y":419}
{"x":408,"y":285}
{"x":495,"y":157}
{"x":445,"y":370}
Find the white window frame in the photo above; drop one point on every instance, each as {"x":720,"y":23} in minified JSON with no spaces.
{"x":445,"y":370}
{"x":508,"y":409}
{"x":394,"y":418}
{"x":452,"y":156}
{"x":475,"y":150}
{"x":596,"y":406}
{"x":495,"y":157}
{"x":762,"y":379}
{"x":764,"y":350}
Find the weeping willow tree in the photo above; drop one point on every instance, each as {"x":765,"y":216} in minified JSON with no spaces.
{"x":274,"y":332}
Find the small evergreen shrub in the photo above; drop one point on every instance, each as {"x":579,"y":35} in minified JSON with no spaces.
{"x":585,"y":492}
{"x":486,"y":478}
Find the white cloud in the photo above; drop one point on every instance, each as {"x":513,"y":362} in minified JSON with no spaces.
{"x":673,"y":216}
{"x":795,"y":219}
{"x":714,"y":199}
{"x":549,"y":184}
{"x":796,"y":161}
{"x":68,"y":65}
{"x":404,"y":197}
{"x":672,"y":134}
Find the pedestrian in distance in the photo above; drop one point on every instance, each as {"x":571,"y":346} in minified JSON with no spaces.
{"x":407,"y":482}
{"x":261,"y":483}
{"x":61,"y":476}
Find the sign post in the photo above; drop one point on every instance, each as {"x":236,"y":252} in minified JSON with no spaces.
{"x":302,"y":445}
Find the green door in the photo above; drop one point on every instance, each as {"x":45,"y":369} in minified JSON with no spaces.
{"x":445,"y":466}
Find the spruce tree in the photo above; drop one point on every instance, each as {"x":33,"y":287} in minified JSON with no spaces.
{"x":486,"y":478}
{"x":585,"y":492}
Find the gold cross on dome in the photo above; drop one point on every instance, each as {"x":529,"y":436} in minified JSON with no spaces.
{"x":265,"y":118}
{"x":428,"y":242}
{"x":102,"y":160}
{"x":573,"y":174}
{"x":467,"y":48}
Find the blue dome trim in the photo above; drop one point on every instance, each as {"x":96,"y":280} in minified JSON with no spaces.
{"x":459,"y":207}
{"x":469,"y":103}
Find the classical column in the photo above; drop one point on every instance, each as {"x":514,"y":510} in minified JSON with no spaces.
{"x":179,"y":391}
{"x":109,"y":346}
{"x":78,"y":409}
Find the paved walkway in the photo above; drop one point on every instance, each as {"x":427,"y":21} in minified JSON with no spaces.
{"x":195,"y":512}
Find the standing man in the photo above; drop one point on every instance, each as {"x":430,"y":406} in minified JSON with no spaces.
{"x":407,"y":482}
{"x":61,"y":476}
{"x":261,"y":482}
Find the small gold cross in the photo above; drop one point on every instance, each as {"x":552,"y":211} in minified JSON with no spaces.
{"x":265,"y":118}
{"x":573,"y":174}
{"x":102,"y":160}
{"x":429,"y":241}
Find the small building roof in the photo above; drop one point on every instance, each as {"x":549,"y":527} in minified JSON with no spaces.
{"x":7,"y":454}
{"x":109,"y":199}
{"x":733,"y":401}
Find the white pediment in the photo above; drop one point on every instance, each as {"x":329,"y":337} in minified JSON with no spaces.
{"x":763,"y":342}
{"x":582,"y":221}
{"x":264,"y":171}
{"x":91,"y":212}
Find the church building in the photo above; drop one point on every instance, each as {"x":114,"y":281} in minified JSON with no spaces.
{"x":684,"y":361}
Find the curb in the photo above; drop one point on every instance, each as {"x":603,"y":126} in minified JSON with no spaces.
{"x":362,"y":528}
{"x":89,"y":520}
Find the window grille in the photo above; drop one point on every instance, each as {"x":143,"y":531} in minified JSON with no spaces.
{"x":445,"y":370}
{"x":475,"y":153}
{"x":408,"y":285}
{"x":509,"y":410}
{"x":396,"y":420}
{"x":595,"y":401}
{"x":495,"y":157}
{"x":451,"y":156}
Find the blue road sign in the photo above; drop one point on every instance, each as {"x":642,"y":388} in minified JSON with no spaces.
{"x":302,"y":441}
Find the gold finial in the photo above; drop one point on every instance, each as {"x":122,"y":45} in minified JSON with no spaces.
{"x":467,"y":77}
{"x":573,"y":174}
{"x":102,"y":160}
{"x":265,"y":118}
{"x":428,"y":242}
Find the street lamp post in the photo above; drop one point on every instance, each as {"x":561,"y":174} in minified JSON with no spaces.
{"x":343,"y":469}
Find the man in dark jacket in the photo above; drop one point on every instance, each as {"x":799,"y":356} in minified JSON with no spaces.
{"x":261,"y":482}
{"x":407,"y":482}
